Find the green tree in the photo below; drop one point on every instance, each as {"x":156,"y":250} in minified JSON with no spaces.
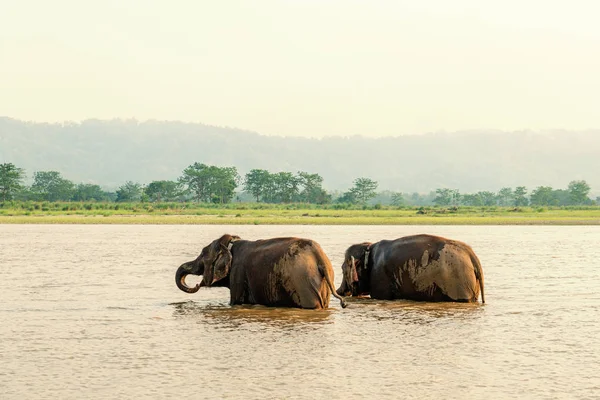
{"x":472,"y":200}
{"x":223,"y":183}
{"x":86,"y":191}
{"x":443,"y":197}
{"x":542,"y":196}
{"x":520,"y":196}
{"x":455,"y":197}
{"x":364,"y":189}
{"x":398,"y":199}
{"x":257,"y":182}
{"x":51,"y":186}
{"x":197,"y":179}
{"x":561,"y":197}
{"x":322,"y":197}
{"x":487,"y":198}
{"x":312,"y":191}
{"x":505,"y":196}
{"x":347,"y":197}
{"x":417,"y":199}
{"x":158,"y":191}
{"x":210,"y":183}
{"x":579,"y":192}
{"x":479,"y":199}
{"x":11,"y":180}
{"x":286,"y":187}
{"x":130,"y":191}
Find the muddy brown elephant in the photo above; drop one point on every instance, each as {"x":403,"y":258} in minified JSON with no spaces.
{"x":419,"y":267}
{"x":287,"y":272}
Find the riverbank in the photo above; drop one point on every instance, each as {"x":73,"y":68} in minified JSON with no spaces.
{"x":299,"y":216}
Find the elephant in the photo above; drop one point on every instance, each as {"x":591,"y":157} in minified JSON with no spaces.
{"x":417,"y":267}
{"x":288,"y":272}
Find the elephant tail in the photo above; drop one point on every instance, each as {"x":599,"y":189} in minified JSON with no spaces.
{"x":478,"y":274}
{"x":324,"y":272}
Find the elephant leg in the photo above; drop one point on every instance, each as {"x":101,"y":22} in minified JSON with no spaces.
{"x":238,"y":296}
{"x":309,"y":296}
{"x":304,"y":286}
{"x":238,"y":288}
{"x":460,"y":282}
{"x":382,"y":288}
{"x":306,"y":293}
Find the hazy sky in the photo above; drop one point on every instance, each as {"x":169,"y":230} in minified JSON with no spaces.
{"x":304,"y":67}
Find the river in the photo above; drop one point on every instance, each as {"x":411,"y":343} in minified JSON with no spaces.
{"x":92,"y":311}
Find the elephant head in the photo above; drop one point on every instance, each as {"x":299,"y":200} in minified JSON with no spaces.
{"x":213,"y":263}
{"x":355,"y":276}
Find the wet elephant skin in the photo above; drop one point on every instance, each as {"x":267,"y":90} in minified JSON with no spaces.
{"x":418,"y":267}
{"x":285,"y":272}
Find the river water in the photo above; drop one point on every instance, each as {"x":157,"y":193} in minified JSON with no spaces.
{"x":92,"y":311}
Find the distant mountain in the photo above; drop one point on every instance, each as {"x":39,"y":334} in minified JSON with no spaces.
{"x":110,"y":153}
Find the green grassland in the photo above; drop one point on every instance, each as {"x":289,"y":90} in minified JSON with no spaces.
{"x":288,"y":214}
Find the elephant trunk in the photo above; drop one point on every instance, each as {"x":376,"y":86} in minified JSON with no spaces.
{"x":343,"y":290}
{"x":183,"y":271}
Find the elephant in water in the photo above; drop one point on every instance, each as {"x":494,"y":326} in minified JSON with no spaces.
{"x":288,"y":272}
{"x":419,"y":267}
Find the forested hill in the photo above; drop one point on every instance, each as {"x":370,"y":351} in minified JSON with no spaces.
{"x":110,"y":153}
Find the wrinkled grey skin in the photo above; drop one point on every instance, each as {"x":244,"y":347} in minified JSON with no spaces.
{"x":419,"y":267}
{"x":287,"y":272}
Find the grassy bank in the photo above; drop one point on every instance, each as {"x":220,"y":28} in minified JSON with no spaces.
{"x":290,"y":214}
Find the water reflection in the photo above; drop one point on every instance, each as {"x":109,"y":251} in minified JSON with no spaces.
{"x":88,"y":340}
{"x":414,"y":312}
{"x":224,"y":316}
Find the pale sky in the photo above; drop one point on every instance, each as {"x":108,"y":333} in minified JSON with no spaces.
{"x":305,"y":67}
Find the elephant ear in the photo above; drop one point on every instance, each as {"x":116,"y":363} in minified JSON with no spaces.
{"x":351,"y":275}
{"x":222,"y":264}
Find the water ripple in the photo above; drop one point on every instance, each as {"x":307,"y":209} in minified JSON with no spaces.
{"x":93,"y":312}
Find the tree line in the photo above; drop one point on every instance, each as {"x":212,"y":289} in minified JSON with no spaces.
{"x":211,"y":184}
{"x":577,"y":193}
